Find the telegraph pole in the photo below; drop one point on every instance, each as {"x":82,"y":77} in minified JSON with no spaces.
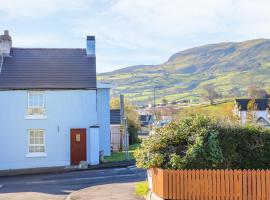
{"x":125,"y":137}
{"x":155,"y":102}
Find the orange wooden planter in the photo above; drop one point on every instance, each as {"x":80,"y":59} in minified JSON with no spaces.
{"x":211,"y":184}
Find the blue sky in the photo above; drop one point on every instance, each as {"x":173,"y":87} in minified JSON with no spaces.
{"x":132,"y":32}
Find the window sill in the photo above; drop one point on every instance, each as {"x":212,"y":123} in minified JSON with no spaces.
{"x":36,"y":117}
{"x":36,"y":155}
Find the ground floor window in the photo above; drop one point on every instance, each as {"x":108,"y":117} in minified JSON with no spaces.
{"x":36,"y":141}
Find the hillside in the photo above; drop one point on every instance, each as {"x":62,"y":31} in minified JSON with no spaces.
{"x":231,"y":67}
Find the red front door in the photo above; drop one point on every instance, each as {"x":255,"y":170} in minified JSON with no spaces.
{"x":78,"y":145}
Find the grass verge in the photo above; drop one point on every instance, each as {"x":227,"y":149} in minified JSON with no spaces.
{"x":141,"y":188}
{"x":120,"y":156}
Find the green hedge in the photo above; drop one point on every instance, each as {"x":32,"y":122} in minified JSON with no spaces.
{"x":203,"y":143}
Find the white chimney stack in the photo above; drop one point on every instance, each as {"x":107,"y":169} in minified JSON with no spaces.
{"x":91,"y":46}
{"x":5,"y":44}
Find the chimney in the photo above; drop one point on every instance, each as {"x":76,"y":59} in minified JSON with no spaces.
{"x":91,"y":46}
{"x":5,"y":44}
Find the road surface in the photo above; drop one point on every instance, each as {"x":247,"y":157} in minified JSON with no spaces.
{"x":59,"y":186}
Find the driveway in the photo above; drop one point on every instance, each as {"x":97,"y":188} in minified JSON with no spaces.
{"x":116,"y":183}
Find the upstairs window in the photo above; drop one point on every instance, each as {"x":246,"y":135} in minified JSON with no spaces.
{"x":35,"y":100}
{"x":36,"y":104}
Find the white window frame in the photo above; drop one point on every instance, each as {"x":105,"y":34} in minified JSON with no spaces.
{"x":36,"y":154}
{"x":36,"y":93}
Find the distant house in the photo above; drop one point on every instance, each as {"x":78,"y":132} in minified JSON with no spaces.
{"x":259,"y":112}
{"x":53,"y":112}
{"x":115,"y":127}
{"x":146,"y":120}
{"x":164,"y":120}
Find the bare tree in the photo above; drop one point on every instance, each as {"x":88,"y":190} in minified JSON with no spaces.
{"x":211,"y":93}
{"x":255,"y":91}
{"x":235,"y":92}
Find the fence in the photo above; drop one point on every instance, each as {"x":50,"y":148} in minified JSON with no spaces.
{"x":211,"y":184}
{"x":116,"y":137}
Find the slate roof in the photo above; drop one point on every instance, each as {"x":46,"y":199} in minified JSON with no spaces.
{"x":115,"y":116}
{"x":143,"y":118}
{"x":48,"y":68}
{"x":146,"y":120}
{"x":262,"y":104}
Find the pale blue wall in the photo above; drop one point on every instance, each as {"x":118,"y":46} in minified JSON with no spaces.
{"x":103,"y":104}
{"x":66,"y":109}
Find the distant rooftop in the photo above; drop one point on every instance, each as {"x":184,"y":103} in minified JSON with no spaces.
{"x":115,"y":116}
{"x":261,"y":104}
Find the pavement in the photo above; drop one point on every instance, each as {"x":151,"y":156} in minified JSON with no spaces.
{"x":124,"y":191}
{"x":115,"y":183}
{"x":63,"y":169}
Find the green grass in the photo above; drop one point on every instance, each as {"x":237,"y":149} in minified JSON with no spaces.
{"x":120,"y":156}
{"x":141,"y":188}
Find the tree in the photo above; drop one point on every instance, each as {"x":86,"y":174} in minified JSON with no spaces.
{"x":132,"y":117}
{"x":255,"y":91}
{"x":211,"y":93}
{"x":251,"y":107}
{"x":222,"y":112}
{"x":164,"y":101}
{"x":235,"y":92}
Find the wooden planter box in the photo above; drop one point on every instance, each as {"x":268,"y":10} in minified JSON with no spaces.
{"x":211,"y":184}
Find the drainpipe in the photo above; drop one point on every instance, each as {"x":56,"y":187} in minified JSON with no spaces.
{"x":2,"y":61}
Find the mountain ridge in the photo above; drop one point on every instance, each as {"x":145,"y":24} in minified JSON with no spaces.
{"x":185,"y":73}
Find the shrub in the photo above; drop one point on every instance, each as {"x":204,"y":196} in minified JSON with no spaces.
{"x":141,"y":188}
{"x":133,"y":129}
{"x":200,"y":142}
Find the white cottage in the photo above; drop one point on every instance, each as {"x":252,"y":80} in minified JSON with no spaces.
{"x":52,"y":112}
{"x":259,"y":111}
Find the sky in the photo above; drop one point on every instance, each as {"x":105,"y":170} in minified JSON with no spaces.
{"x":133,"y":32}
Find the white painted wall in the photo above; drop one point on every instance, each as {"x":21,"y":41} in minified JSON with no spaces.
{"x":256,"y":114}
{"x":64,"y":109}
{"x":103,"y":106}
{"x":93,"y":145}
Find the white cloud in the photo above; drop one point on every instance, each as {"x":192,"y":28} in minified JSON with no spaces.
{"x":38,"y":8}
{"x":143,"y":31}
{"x":38,"y":40}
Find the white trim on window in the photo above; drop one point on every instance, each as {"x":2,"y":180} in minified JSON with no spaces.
{"x":36,"y":155}
{"x":36,"y":144}
{"x":36,"y":105}
{"x":36,"y":117}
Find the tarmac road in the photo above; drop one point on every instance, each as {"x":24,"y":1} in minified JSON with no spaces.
{"x":59,"y":186}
